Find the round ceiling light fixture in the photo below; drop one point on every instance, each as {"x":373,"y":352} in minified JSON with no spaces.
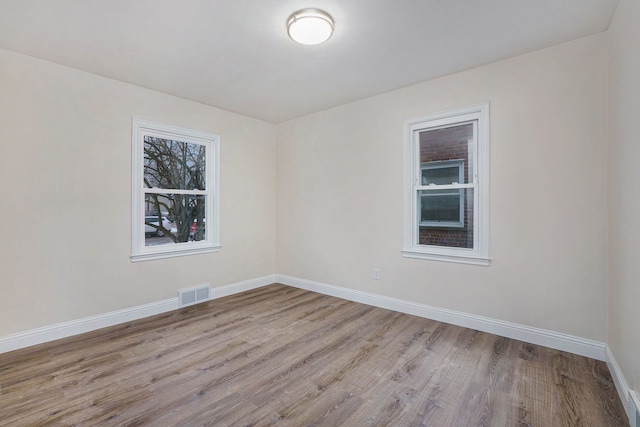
{"x":310,"y":26}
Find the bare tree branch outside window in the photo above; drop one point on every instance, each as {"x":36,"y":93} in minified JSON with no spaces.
{"x":172,"y":166}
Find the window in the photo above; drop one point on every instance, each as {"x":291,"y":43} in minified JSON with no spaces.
{"x":446,"y":177}
{"x":175,"y":191}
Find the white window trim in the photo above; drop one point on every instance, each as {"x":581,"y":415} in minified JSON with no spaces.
{"x":440,"y":165}
{"x":140,"y":252}
{"x":479,"y":254}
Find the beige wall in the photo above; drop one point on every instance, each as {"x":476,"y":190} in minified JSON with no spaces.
{"x":65,"y":146}
{"x":624,"y":191}
{"x":65,"y":185}
{"x":340,"y":193}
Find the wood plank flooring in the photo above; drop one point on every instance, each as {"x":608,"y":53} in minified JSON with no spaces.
{"x":280,"y":356}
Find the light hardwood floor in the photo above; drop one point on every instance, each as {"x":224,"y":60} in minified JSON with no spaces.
{"x":288,"y":357}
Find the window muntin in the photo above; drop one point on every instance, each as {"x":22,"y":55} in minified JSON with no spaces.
{"x":175,"y":178}
{"x":446,"y":186}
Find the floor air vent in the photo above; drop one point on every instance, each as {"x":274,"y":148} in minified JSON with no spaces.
{"x":194,"y":295}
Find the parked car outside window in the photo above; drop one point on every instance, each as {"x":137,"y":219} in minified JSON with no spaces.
{"x":151,"y":224}
{"x":194,"y":228}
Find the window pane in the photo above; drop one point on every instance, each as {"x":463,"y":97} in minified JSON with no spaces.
{"x":440,"y":206}
{"x":182,"y":218}
{"x":446,"y":218}
{"x":438,"y":146}
{"x":174,"y":164}
{"x":440,"y":175}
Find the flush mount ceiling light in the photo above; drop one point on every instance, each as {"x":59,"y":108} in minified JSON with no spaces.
{"x":310,"y":26}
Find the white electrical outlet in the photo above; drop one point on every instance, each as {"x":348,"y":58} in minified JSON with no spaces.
{"x":376,"y":273}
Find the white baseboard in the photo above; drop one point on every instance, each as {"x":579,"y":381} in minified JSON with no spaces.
{"x":86,"y":324}
{"x":247,"y":285}
{"x":74,"y":327}
{"x":634,"y":409}
{"x":547,"y":338}
{"x":629,"y":398}
{"x":543,"y":337}
{"x":556,"y":340}
{"x":618,"y":379}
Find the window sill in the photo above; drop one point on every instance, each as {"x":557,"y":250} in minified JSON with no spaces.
{"x":461,"y":258}
{"x":173,"y":253}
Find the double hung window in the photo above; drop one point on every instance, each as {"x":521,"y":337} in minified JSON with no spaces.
{"x":175,"y":191}
{"x":446,"y":186}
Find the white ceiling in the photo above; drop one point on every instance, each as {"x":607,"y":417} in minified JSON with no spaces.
{"x":236,"y":55}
